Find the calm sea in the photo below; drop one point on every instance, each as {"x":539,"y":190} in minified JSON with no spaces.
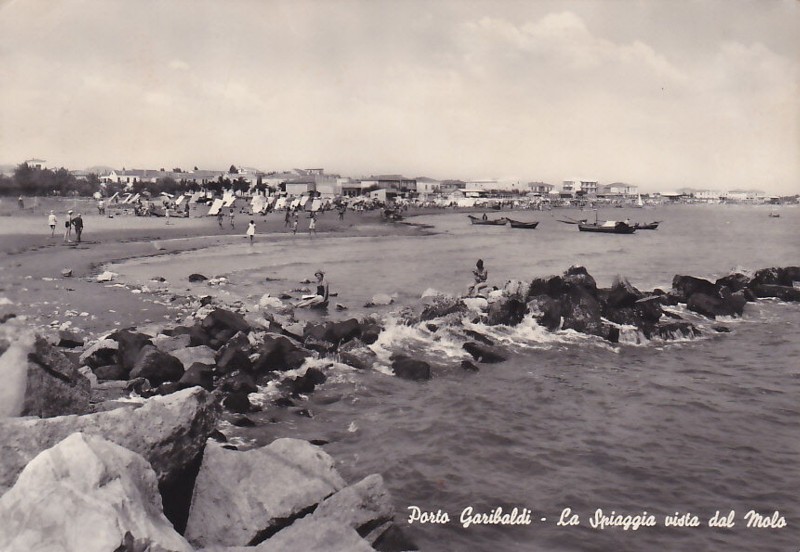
{"x":697,"y":426}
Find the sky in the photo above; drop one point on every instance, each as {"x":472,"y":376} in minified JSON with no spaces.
{"x":661,"y":94}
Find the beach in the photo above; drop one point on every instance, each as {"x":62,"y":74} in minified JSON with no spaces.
{"x":661,"y":426}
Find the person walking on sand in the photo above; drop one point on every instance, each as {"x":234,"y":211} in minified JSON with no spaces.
{"x":287,"y":221}
{"x":166,"y":212}
{"x":295,"y":222}
{"x":68,"y":228}
{"x":251,"y":231}
{"x":219,"y":218}
{"x":77,"y":222}
{"x":231,"y":217}
{"x":52,"y":221}
{"x":481,"y":274}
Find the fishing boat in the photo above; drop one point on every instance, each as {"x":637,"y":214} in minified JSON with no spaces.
{"x":648,"y":226}
{"x":487,"y":222}
{"x":525,"y":225}
{"x":607,"y":227}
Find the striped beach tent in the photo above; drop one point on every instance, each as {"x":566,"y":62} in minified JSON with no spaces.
{"x":215,"y":207}
{"x":316,"y":205}
{"x":180,"y":199}
{"x":280,"y":203}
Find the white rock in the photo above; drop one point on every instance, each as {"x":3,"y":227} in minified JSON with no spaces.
{"x":168,"y":343}
{"x":476,"y":304}
{"x":430,"y":292}
{"x":256,"y":488}
{"x":312,"y":534}
{"x":84,"y":494}
{"x":495,"y":294}
{"x":359,"y":506}
{"x":107,"y":276}
{"x":381,"y":299}
{"x":269,"y":302}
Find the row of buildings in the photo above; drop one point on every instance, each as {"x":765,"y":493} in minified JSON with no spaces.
{"x":302,"y":181}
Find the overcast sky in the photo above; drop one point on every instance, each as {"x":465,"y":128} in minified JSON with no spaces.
{"x":663,"y":94}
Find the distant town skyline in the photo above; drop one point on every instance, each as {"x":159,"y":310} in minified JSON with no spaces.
{"x":662,"y":95}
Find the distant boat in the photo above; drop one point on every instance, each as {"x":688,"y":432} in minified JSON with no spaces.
{"x":649,"y":226}
{"x":607,"y":227}
{"x":639,"y":202}
{"x":526,"y":225}
{"x":487,"y":222}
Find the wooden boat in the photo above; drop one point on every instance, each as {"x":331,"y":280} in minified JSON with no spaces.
{"x":607,"y":227}
{"x":649,"y":226}
{"x":487,"y":222}
{"x":520,"y":224}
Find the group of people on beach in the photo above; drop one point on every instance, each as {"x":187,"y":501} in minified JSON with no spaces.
{"x":73,"y":222}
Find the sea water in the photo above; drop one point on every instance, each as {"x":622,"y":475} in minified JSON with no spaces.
{"x":591,"y":439}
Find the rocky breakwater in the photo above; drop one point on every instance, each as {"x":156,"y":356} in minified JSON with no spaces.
{"x":143,"y":474}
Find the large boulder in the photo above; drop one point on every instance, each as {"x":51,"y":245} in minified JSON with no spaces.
{"x":198,"y":374}
{"x":669,"y":331}
{"x":38,"y":379}
{"x":361,"y":506}
{"x":220,"y":320}
{"x":156,"y":366}
{"x":88,"y":494}
{"x":168,"y":431}
{"x":622,"y":294}
{"x":101,"y":353}
{"x":580,"y":311}
{"x":411,"y":369}
{"x":711,"y":306}
{"x":362,"y":358}
{"x":686,"y":286}
{"x":546,"y":310}
{"x":440,"y":306}
{"x":309,"y":534}
{"x":508,"y":311}
{"x":170,"y":343}
{"x":483,"y":353}
{"x":279,"y":353}
{"x":578,"y":276}
{"x":241,"y":498}
{"x":552,"y":286}
{"x":784,"y":293}
{"x":734,"y":282}
{"x":784,"y":276}
{"x":201,"y":354}
{"x":130,"y":344}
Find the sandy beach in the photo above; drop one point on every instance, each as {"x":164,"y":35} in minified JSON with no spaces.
{"x":33,"y":261}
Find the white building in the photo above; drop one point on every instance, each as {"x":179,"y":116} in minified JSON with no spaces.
{"x":36,"y":163}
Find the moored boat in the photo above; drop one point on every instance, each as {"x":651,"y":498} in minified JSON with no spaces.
{"x":487,"y":222}
{"x":520,"y":224}
{"x":648,"y":226}
{"x":607,"y":227}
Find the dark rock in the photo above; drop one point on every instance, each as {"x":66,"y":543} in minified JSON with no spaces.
{"x":734,"y":282}
{"x":580,"y":311}
{"x":361,"y":359}
{"x":319,"y":345}
{"x":666,"y":299}
{"x":283,"y":402}
{"x":711,"y":306}
{"x":238,"y":341}
{"x":237,"y":382}
{"x":233,"y":359}
{"x":578,"y":276}
{"x":130,"y":346}
{"x":722,"y":329}
{"x":346,"y":330}
{"x":674,"y":330}
{"x":101,"y":353}
{"x":318,"y":442}
{"x":157,"y":366}
{"x":477,"y":336}
{"x":551,"y":287}
{"x":468,"y":366}
{"x":54,"y":385}
{"x":546,"y":310}
{"x":7,"y":316}
{"x":649,"y":308}
{"x":370,"y":332}
{"x":686,"y":286}
{"x":394,"y":539}
{"x":242,"y":421}
{"x":784,"y":293}
{"x":168,"y":388}
{"x":197,"y":335}
{"x":69,"y":340}
{"x":442,"y":306}
{"x":220,"y":320}
{"x":506,"y":311}
{"x":197,"y":278}
{"x":483,"y":353}
{"x":622,"y":294}
{"x":110,"y":372}
{"x":218,"y":436}
{"x":206,"y":300}
{"x":140,"y":386}
{"x":411,"y":369}
{"x":307,"y":382}
{"x":200,"y":375}
{"x":237,"y":402}
{"x":278,"y":353}
{"x":431,"y":327}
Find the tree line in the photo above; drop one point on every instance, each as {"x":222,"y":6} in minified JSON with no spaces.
{"x":32,"y":181}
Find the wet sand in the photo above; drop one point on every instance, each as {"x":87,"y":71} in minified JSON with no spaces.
{"x":31,"y":261}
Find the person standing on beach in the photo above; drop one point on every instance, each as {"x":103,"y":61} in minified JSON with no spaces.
{"x":219,"y":218}
{"x":288,"y":218}
{"x":52,"y":220}
{"x":312,"y":225}
{"x":77,"y":222}
{"x":21,"y":203}
{"x":231,"y":217}
{"x":166,"y":212}
{"x":251,"y":231}
{"x":68,"y":228}
{"x":295,"y":222}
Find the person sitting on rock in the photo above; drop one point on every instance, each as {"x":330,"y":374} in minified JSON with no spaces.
{"x":481,"y":274}
{"x":321,"y":297}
